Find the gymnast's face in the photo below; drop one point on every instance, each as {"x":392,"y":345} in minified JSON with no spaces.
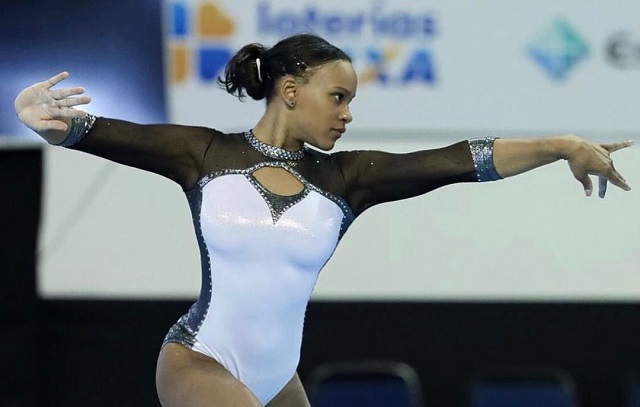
{"x":321,"y":112}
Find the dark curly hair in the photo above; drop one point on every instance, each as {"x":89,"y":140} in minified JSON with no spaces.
{"x":297,"y":55}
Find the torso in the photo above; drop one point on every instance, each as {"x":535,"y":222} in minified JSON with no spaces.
{"x":261,"y":255}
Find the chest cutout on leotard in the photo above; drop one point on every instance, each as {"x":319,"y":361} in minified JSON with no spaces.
{"x":279,"y":188}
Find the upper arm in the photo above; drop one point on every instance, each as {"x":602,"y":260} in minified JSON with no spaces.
{"x":373,"y":177}
{"x":176,"y":152}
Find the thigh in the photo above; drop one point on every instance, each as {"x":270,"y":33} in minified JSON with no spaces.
{"x":292,"y":395}
{"x":185,"y":378}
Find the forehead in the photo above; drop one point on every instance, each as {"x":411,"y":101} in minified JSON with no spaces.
{"x":336,"y":74}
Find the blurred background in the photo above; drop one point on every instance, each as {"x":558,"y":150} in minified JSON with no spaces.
{"x":98,"y":260}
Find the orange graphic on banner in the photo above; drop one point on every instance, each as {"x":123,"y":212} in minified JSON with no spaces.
{"x":370,"y":73}
{"x":197,"y":47}
{"x":179,"y":67}
{"x":212,"y":21}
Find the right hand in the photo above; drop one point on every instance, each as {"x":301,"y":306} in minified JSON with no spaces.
{"x":49,"y":112}
{"x":595,"y":159}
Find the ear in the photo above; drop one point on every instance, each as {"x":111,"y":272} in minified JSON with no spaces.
{"x":288,"y":90}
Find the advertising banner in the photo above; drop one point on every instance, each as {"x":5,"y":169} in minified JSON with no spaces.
{"x":427,"y":65}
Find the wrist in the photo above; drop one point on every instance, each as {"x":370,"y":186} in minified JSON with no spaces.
{"x":77,"y":129}
{"x":53,"y":136}
{"x":566,"y":145}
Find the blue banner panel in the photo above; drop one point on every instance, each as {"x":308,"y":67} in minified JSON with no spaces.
{"x":113,"y":49}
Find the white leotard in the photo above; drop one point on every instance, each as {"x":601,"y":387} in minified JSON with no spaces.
{"x":262,"y":254}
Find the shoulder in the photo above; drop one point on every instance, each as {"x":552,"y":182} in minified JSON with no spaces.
{"x":201,"y":131}
{"x":325,"y":161}
{"x":334,"y":157}
{"x":350,"y":160}
{"x":214,"y":138}
{"x":331,"y":166}
{"x":318,"y":155}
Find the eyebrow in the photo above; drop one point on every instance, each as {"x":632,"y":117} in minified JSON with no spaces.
{"x":353,"y":95}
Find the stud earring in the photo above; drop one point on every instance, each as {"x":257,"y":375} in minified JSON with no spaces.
{"x":292,"y":103}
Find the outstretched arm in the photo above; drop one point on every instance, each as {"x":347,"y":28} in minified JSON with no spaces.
{"x":176,"y":152}
{"x":373,"y":177}
{"x":515,"y":156}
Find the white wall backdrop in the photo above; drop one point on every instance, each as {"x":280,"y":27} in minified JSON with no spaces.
{"x":468,"y":69}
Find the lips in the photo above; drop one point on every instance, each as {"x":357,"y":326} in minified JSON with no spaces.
{"x":340,"y":130}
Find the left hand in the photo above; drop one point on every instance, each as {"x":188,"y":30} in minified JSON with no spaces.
{"x":47,"y":111}
{"x":589,"y":158}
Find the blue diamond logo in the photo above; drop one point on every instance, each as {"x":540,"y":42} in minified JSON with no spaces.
{"x":558,"y":49}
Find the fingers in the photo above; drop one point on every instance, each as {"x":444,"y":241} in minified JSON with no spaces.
{"x":64,"y":112}
{"x":70,"y":102}
{"x":62,"y":98}
{"x":54,"y":80}
{"x":616,"y":179}
{"x":602,"y":186}
{"x":608,"y":173}
{"x":64,"y":93}
{"x":586,"y":183}
{"x":71,"y":113}
{"x":611,"y":147}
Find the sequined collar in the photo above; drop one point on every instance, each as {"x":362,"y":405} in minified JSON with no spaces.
{"x":273,"y":151}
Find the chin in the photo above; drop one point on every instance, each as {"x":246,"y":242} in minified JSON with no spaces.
{"x":327,"y":146}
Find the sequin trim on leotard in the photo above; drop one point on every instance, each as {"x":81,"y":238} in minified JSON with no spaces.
{"x":482,"y":154}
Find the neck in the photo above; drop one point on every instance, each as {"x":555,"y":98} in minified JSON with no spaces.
{"x":273,"y":129}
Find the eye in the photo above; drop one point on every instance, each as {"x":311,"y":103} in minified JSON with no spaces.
{"x":339,"y":97}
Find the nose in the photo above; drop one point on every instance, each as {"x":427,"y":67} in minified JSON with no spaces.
{"x":346,"y":116}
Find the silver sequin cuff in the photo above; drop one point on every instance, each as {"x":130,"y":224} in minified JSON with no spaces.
{"x":80,"y":126}
{"x":482,"y":153}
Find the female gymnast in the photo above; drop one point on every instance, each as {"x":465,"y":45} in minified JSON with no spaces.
{"x":269,"y":207}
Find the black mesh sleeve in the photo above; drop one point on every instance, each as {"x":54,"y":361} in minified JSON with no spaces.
{"x":176,"y":152}
{"x":373,"y":177}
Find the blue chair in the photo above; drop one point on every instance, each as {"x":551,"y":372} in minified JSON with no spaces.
{"x":364,"y":384}
{"x":522,"y":388}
